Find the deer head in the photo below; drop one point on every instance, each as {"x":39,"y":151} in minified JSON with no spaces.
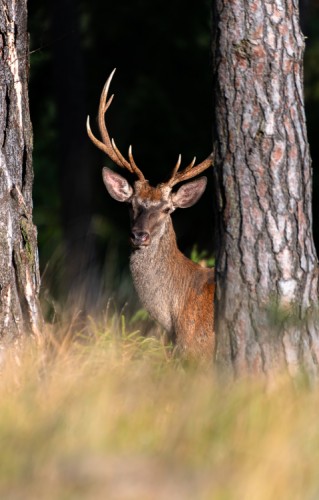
{"x":150,"y":206}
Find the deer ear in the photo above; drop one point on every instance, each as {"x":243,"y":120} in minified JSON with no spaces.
{"x":189,"y":193}
{"x":117,"y":186}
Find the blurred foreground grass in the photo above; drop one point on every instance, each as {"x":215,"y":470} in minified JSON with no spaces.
{"x":118,"y":418}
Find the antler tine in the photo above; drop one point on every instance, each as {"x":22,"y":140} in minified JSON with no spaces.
{"x":121,"y":157}
{"x":190,"y":166}
{"x":107,"y":145}
{"x":178,"y":164}
{"x":134,"y":167}
{"x":104,"y":105}
{"x":190,"y":171}
{"x":95,"y":141}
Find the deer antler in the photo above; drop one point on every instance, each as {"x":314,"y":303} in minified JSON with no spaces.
{"x":190,"y":171}
{"x":108,"y":145}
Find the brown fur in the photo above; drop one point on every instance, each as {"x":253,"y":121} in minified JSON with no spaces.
{"x":194,"y":323}
{"x":147,"y":192}
{"x":178,"y":293}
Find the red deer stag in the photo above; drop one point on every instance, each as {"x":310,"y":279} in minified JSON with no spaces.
{"x":176,"y":292}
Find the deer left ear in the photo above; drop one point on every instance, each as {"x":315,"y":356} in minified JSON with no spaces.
{"x":189,"y":193}
{"x":117,"y":186}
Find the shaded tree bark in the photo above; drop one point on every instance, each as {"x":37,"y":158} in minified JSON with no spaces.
{"x":20,"y":312}
{"x":267,"y":269}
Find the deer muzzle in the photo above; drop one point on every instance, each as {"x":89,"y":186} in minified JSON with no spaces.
{"x":140,"y":238}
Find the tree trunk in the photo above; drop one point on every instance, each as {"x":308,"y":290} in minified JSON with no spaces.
{"x":267,"y":269}
{"x":19,"y":268}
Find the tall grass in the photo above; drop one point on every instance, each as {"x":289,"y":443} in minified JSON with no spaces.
{"x":117,"y":417}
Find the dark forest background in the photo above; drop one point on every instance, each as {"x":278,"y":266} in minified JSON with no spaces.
{"x":163,"y":106}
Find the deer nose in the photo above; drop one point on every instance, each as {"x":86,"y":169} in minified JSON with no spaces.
{"x":140,"y":238}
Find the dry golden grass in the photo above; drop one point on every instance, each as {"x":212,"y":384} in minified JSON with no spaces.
{"x":118,"y":418}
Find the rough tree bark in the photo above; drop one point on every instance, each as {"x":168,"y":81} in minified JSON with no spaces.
{"x":267,"y":269}
{"x":20,"y":313}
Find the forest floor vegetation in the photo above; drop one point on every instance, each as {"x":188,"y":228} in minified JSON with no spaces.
{"x":113,"y":415}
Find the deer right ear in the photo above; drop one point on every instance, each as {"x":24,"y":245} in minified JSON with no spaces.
{"x":188,"y":194}
{"x":117,"y":186}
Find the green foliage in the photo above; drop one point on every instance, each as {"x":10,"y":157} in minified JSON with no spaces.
{"x":202,"y":257}
{"x":140,"y":315}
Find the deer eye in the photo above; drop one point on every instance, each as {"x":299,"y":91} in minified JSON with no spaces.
{"x":166,"y":210}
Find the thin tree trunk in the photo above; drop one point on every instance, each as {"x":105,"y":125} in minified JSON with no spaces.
{"x":20,"y":312}
{"x":267,"y":270}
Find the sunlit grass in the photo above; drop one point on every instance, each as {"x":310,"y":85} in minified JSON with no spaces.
{"x":115,"y":416}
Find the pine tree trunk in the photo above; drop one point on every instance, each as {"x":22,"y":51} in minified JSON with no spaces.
{"x":19,"y":267}
{"x":267,"y":269}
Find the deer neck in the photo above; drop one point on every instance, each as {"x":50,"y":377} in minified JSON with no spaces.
{"x":155,"y":269}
